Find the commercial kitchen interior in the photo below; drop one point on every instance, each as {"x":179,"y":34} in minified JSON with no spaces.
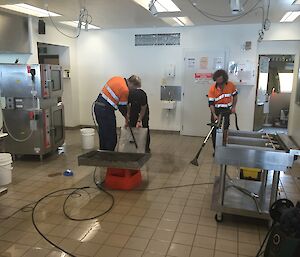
{"x":173,"y":46}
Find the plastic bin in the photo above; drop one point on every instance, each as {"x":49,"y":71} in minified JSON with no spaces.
{"x":87,"y":138}
{"x":5,"y":169}
{"x":122,"y":179}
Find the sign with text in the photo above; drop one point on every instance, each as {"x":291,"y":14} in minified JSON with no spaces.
{"x":203,"y":75}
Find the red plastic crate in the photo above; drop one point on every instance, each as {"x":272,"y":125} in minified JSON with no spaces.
{"x":122,"y":179}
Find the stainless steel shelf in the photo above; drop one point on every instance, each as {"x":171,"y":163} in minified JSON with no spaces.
{"x":238,"y":203}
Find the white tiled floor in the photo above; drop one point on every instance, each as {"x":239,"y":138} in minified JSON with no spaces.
{"x":174,"y":222}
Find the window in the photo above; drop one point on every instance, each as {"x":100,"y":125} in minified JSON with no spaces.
{"x":286,"y":82}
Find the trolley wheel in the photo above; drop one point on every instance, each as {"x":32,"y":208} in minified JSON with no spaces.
{"x":219,"y":217}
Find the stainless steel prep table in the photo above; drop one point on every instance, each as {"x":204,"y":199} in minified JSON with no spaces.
{"x":270,"y":153}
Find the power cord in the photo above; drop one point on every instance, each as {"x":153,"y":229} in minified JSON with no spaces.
{"x":28,"y":207}
{"x":76,"y":192}
{"x":260,"y":251}
{"x":96,"y":216}
{"x":93,"y":116}
{"x":83,"y":17}
{"x":34,"y":221}
{"x":151,"y":189}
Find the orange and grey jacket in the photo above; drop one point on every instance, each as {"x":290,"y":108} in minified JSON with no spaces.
{"x":116,"y":92}
{"x":222,"y":98}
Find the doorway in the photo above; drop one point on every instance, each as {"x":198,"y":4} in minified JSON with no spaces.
{"x":199,"y":67}
{"x":273,"y":93}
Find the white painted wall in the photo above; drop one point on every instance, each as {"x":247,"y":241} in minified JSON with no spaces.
{"x":103,"y":54}
{"x":98,"y":55}
{"x":294,"y":118}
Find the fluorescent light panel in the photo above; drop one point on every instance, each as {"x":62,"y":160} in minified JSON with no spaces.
{"x":75,"y":24}
{"x":29,"y":9}
{"x":160,"y":5}
{"x":178,"y":21}
{"x":290,"y":16}
{"x":166,"y":6}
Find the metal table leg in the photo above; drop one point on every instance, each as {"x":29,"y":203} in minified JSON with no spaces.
{"x":274,"y":189}
{"x":222,"y":184}
{"x":219,"y":215}
{"x":264,"y":180}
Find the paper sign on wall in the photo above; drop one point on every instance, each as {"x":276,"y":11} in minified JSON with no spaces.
{"x":218,"y":63}
{"x":203,"y":75}
{"x":241,"y":72}
{"x":203,"y":63}
{"x":203,"y":79}
{"x":191,"y":63}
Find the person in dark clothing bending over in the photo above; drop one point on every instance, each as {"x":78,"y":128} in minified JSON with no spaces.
{"x":138,"y":110}
{"x":222,"y":99}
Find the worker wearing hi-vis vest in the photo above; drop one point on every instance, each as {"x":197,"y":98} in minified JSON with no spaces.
{"x":222,"y":99}
{"x":113,"y":96}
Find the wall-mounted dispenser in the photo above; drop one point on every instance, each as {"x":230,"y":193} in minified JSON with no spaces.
{"x":170,"y":71}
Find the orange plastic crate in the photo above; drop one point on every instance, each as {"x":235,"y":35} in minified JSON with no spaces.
{"x":122,"y":179}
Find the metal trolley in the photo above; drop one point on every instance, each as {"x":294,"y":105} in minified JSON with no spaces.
{"x":270,"y":153}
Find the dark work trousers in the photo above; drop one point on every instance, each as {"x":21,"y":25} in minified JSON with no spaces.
{"x":145,"y":122}
{"x":225,"y":112}
{"x":106,"y":119}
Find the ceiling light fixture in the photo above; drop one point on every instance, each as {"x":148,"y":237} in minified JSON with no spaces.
{"x":158,"y":6}
{"x":152,"y":8}
{"x":84,"y":25}
{"x":296,"y":2}
{"x":166,"y":6}
{"x":29,"y":9}
{"x":290,"y":16}
{"x":178,"y":21}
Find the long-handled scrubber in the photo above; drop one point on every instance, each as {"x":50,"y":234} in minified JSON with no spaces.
{"x":133,"y":141}
{"x":195,"y":160}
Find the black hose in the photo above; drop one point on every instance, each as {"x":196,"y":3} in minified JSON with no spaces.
{"x":34,"y":222}
{"x":96,"y":216}
{"x":260,"y":252}
{"x":76,"y":192}
{"x":236,"y":121}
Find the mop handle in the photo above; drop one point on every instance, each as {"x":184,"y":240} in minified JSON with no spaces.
{"x":136,"y":146}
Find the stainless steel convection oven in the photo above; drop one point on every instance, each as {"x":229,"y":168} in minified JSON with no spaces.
{"x":33,"y":113}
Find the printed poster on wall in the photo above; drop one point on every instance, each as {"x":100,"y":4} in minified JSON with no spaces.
{"x":203,"y":63}
{"x":218,"y":63}
{"x":191,"y":63}
{"x":203,"y":78}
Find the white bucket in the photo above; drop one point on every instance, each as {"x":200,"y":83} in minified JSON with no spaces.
{"x":5,"y":169}
{"x":87,"y":138}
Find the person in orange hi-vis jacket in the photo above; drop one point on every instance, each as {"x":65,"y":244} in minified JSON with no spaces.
{"x":222,"y":100}
{"x":113,"y":96}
